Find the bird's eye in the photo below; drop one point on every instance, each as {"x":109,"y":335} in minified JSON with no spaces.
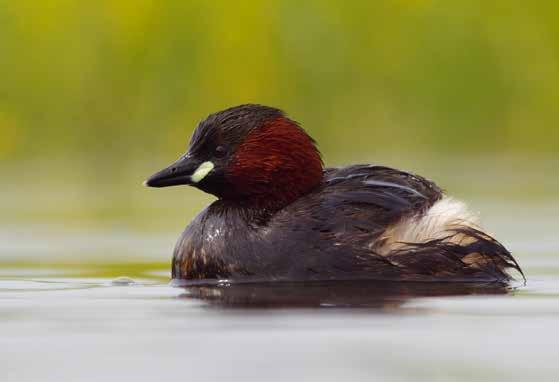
{"x":220,"y":151}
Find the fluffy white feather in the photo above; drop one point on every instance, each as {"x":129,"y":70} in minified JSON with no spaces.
{"x":436,"y":223}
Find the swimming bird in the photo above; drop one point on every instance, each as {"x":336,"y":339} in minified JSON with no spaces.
{"x":280,"y":215}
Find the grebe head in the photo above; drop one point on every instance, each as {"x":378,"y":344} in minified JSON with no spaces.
{"x":251,"y":154}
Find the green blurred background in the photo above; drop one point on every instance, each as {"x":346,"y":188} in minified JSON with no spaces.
{"x":95,"y":96}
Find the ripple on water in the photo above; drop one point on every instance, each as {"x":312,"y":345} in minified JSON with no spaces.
{"x":7,"y":285}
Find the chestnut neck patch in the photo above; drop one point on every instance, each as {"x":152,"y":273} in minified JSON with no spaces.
{"x":275,"y":164}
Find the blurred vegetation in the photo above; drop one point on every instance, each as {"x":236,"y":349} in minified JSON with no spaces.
{"x":94,"y":96}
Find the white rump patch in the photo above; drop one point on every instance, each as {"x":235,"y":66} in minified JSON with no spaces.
{"x":445,"y":215}
{"x":201,"y":172}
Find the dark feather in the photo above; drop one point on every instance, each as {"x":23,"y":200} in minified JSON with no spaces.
{"x":331,"y":233}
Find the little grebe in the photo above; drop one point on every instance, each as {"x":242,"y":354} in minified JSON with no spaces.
{"x":281,"y":216}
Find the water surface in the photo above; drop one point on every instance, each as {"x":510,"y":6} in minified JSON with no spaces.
{"x":110,"y":314}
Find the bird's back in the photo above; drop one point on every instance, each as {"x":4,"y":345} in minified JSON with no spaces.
{"x":377,"y":222}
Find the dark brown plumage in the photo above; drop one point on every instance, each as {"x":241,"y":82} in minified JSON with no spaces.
{"x":279,"y":216}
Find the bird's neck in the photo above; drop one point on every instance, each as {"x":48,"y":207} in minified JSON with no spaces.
{"x":274,"y":166}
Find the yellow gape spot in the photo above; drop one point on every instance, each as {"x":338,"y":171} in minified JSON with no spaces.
{"x":201,"y":172}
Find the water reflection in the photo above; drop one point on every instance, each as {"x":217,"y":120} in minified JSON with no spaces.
{"x":385,"y":295}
